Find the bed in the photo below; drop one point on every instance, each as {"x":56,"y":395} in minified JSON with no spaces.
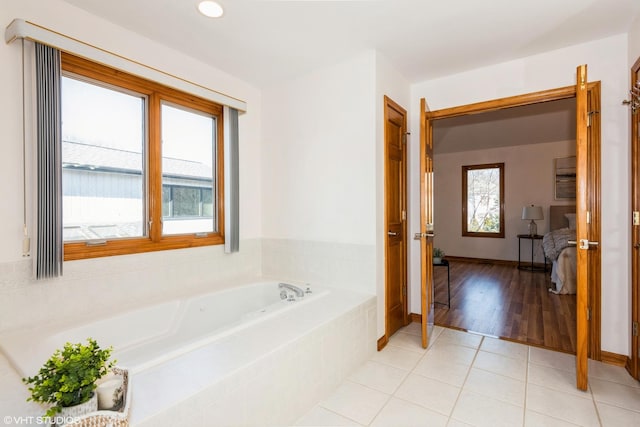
{"x":558,"y":251}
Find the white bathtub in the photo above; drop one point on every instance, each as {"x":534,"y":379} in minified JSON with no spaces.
{"x":146,"y":337}
{"x":204,"y":354}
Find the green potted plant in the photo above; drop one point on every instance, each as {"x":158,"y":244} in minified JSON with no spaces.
{"x":438,"y":254}
{"x":69,"y":378}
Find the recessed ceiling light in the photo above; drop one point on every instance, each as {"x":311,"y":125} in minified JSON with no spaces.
{"x":210,"y":9}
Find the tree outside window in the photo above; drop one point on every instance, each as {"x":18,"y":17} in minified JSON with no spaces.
{"x":483,"y":200}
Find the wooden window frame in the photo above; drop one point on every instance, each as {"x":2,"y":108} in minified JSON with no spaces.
{"x":156,"y":94}
{"x":465,"y":231}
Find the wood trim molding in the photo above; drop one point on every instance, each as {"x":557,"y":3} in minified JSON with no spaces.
{"x":484,"y":261}
{"x":152,"y":200}
{"x":382,"y":342}
{"x":614,"y":359}
{"x":593,"y":88}
{"x":508,"y":102}
{"x":594,"y":174}
{"x":633,"y":365}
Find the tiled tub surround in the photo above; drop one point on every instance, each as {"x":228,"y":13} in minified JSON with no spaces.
{"x":259,"y":373}
{"x":343,"y":265}
{"x":97,"y":288}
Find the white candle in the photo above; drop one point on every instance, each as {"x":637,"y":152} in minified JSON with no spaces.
{"x":109,"y":393}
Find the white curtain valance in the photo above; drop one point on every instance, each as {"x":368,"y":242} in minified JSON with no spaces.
{"x":21,"y":29}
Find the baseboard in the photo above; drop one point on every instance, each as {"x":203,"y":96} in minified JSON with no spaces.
{"x":614,"y":358}
{"x":382,"y":342}
{"x":483,"y":260}
{"x":416,"y":318}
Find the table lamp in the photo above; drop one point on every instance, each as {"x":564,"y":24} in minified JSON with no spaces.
{"x":532,"y":213}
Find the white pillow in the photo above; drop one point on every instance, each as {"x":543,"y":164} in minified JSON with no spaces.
{"x":571,"y":217}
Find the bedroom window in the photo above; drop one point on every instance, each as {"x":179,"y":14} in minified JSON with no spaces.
{"x":483,"y":200}
{"x":141,"y":164}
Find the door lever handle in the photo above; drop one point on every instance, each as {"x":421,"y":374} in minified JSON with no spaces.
{"x":584,"y":243}
{"x":392,"y":233}
{"x":418,"y":236}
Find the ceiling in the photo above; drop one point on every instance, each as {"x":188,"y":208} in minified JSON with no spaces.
{"x":532,"y":124}
{"x":267,"y":41}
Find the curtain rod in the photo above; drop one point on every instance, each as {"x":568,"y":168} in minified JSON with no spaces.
{"x":21,"y":29}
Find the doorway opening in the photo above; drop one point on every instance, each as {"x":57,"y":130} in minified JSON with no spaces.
{"x":500,"y":282}
{"x":534,"y":100}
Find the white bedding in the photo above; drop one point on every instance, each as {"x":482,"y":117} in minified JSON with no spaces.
{"x":563,"y":272}
{"x":557,"y":249}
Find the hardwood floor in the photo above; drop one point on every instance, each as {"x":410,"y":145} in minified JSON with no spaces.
{"x":502,"y":301}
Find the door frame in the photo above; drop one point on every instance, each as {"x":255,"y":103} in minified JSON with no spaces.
{"x":593,"y":328}
{"x":391,"y":104}
{"x":633,"y":363}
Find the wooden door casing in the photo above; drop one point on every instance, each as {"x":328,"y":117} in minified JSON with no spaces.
{"x":592,"y":327}
{"x":633,"y":364}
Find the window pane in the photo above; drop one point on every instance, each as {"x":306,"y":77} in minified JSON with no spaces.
{"x":483,"y":200}
{"x":188,"y":138}
{"x":103,"y":135}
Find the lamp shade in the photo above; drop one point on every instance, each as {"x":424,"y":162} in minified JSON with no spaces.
{"x":532,"y":212}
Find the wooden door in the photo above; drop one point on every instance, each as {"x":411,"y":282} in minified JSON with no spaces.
{"x":426,"y":222}
{"x":583,"y":232}
{"x":634,"y":366}
{"x":395,"y":134}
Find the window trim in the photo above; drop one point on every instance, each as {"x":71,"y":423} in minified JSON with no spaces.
{"x":465,"y":231}
{"x":155,"y":93}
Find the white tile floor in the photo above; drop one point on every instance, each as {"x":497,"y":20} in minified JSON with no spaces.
{"x":464,"y":379}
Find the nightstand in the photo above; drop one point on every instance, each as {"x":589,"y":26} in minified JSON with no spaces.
{"x":532,"y":266}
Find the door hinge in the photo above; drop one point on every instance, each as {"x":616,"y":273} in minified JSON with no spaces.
{"x":588,"y":313}
{"x":404,"y":291}
{"x":635,"y":329}
{"x":636,"y":218}
{"x":404,"y":137}
{"x":404,"y":215}
{"x":589,"y":114}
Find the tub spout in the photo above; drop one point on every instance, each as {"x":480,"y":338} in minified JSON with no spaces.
{"x":299,"y":292}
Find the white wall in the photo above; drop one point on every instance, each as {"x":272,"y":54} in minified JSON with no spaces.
{"x":528,"y":180}
{"x":99,"y":286}
{"x":323,"y":174}
{"x":318,"y":177}
{"x":608,"y":62}
{"x":318,"y":155}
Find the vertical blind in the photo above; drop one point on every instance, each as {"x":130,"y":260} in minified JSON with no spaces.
{"x":232,"y":181}
{"x":49,"y":255}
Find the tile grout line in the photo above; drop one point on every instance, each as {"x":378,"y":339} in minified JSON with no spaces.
{"x":465,"y":379}
{"x":595,"y":404}
{"x":393,"y":395}
{"x":337,"y":413}
{"x":526,"y":387}
{"x":389,"y":396}
{"x":411,"y":371}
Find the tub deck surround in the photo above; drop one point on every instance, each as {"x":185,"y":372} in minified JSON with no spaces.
{"x":184,"y":361}
{"x":266,"y":373}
